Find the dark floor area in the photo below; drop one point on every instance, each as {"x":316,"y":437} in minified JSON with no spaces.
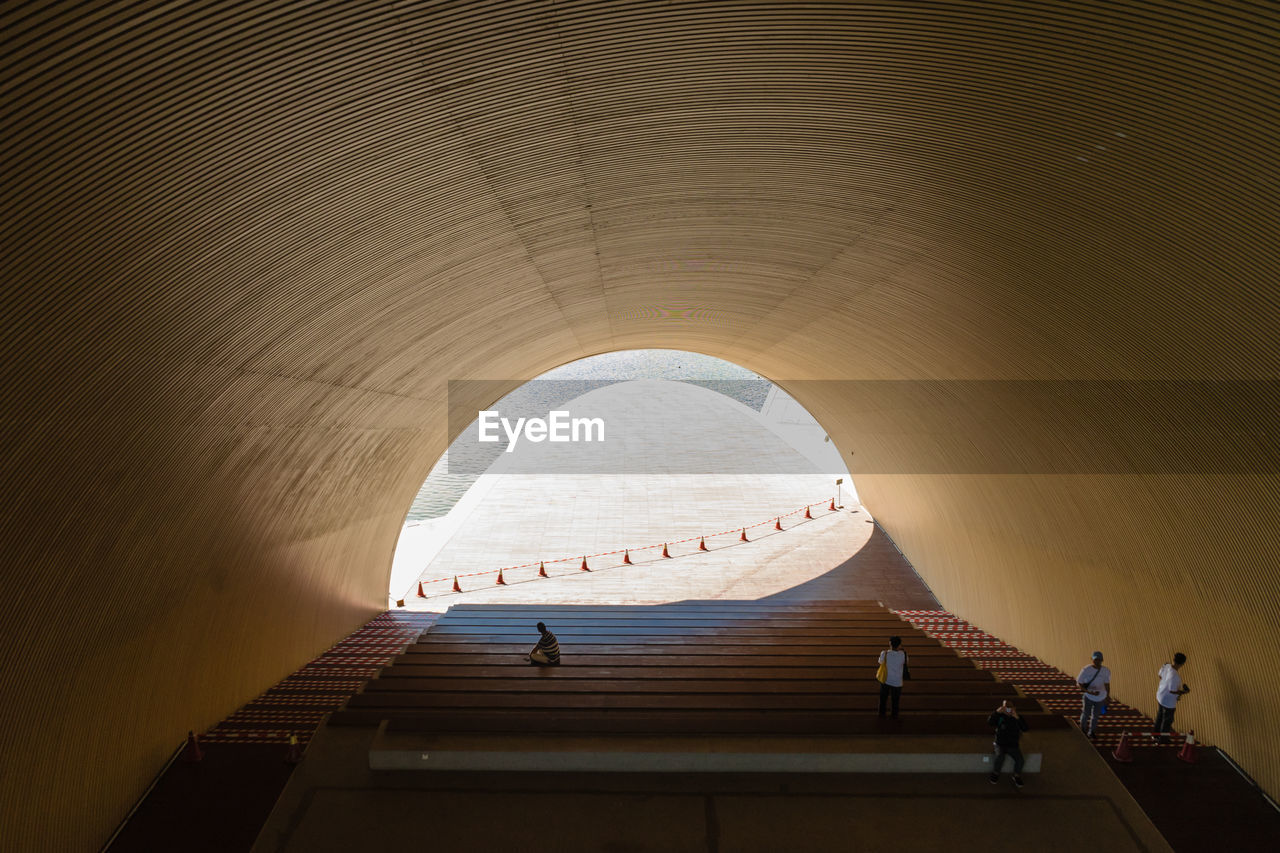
{"x":218,"y":804}
{"x":1205,"y":807}
{"x":214,"y":806}
{"x":1201,"y":807}
{"x":221,"y":803}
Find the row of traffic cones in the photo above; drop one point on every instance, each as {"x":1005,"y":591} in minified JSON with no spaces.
{"x":626,"y":554}
{"x":1124,"y":752}
{"x":457,"y":587}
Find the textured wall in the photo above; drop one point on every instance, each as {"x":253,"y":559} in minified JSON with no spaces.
{"x":246,"y":245}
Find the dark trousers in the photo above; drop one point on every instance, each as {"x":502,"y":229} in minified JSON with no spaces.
{"x":1013,"y":752}
{"x":1164,"y":718}
{"x":887,"y":690}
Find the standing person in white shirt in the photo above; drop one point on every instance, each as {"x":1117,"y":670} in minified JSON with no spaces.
{"x":1095,"y":687}
{"x":1171,"y":689}
{"x":895,"y":666}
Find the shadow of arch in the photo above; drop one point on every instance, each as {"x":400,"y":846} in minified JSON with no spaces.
{"x":877,"y":572}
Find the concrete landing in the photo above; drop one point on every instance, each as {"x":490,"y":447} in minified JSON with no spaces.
{"x":335,"y":803}
{"x":705,"y":754}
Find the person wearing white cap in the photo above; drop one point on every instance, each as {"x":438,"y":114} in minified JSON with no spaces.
{"x":1095,"y":686}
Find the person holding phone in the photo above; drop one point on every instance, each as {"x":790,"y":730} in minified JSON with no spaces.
{"x":1009,"y":726}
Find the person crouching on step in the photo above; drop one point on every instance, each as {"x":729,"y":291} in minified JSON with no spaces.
{"x":547,"y":651}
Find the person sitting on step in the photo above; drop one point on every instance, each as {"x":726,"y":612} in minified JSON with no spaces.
{"x":547,"y":651}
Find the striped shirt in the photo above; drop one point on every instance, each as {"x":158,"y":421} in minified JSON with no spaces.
{"x":547,"y":643}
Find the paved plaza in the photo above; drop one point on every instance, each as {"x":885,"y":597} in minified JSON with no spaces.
{"x":520,"y":513}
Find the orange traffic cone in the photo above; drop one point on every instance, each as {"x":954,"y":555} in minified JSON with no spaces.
{"x":807,"y":514}
{"x":702,"y":546}
{"x":456,"y":588}
{"x":501,"y":581}
{"x":294,"y":755}
{"x":626,"y":558}
{"x":542,"y":570}
{"x":421,"y":594}
{"x":192,"y":752}
{"x":777,"y":524}
{"x":743,"y":537}
{"x":1188,"y":751}
{"x":665,"y":552}
{"x":584,"y":565}
{"x":1123,"y":752}
{"x":832,"y":508}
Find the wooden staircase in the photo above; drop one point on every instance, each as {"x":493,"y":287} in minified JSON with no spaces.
{"x":709,"y":685}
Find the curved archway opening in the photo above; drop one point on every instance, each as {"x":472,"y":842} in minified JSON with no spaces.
{"x":612,"y":459}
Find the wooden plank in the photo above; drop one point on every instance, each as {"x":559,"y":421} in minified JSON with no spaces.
{"x":856,"y":651}
{"x":428,"y":648}
{"x":520,"y":669}
{"x":658,"y":629}
{"x":577,"y":657}
{"x":648,"y":670}
{"x":623,"y":721}
{"x":662,"y":655}
{"x":864,"y":685}
{"x":680,"y":701}
{"x":709,"y":636}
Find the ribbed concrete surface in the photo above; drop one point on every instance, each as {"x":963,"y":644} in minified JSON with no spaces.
{"x":245,"y":247}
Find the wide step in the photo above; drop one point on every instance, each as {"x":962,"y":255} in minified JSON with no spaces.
{"x":688,"y":687}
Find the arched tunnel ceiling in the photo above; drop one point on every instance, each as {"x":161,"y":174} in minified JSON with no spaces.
{"x":245,"y":246}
